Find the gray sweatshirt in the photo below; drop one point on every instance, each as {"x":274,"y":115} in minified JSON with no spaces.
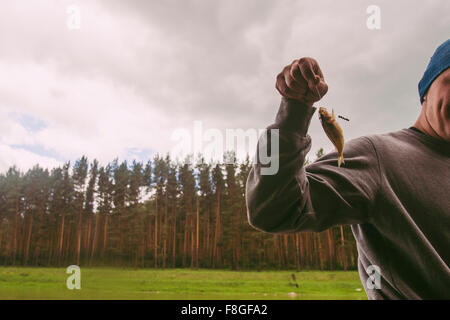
{"x":394,"y":191}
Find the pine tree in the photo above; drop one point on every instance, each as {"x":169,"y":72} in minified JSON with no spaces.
{"x":188,"y":190}
{"x":80,"y":171}
{"x":160,"y":173}
{"x":14,"y":204}
{"x":218,"y":187}
{"x":105,"y":208}
{"x":120,"y":198}
{"x":205,"y":205}
{"x":232,"y":216}
{"x":36,"y":189}
{"x":62,"y":199}
{"x":3,"y":208}
{"x":148,"y":182}
{"x":172,"y":193}
{"x":135,"y":218}
{"x":89,"y":232}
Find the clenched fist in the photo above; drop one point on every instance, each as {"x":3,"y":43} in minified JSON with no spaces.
{"x":302,"y":80}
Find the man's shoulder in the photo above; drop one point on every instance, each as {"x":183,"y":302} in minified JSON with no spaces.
{"x":381,"y":140}
{"x":382,"y":144}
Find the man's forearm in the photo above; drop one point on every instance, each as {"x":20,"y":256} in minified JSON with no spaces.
{"x":293,"y":117}
{"x":270,"y":197}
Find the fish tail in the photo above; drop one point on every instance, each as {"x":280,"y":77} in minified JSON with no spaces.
{"x":341,"y":160}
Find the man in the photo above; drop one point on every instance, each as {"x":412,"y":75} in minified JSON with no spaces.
{"x":394,"y":188}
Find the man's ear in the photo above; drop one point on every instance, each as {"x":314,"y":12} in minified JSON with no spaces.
{"x":424,"y":103}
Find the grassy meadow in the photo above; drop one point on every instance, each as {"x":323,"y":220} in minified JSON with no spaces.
{"x":176,"y":284}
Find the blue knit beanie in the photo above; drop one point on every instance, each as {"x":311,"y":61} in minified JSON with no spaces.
{"x":439,"y":62}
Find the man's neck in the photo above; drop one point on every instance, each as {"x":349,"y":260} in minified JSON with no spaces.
{"x":424,"y":126}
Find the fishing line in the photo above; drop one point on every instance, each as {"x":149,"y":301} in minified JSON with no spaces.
{"x":318,"y":94}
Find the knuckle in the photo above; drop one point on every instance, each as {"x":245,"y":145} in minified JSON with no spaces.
{"x":286,"y":70}
{"x":290,"y":83}
{"x":294,"y":65}
{"x":280,"y":77}
{"x":296,"y":73}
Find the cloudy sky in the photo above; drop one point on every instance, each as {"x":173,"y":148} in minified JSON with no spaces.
{"x":137,"y":70}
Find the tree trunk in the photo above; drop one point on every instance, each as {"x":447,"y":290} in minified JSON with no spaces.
{"x":50,"y":246}
{"x":80,"y":217}
{"x":330,"y":248}
{"x":186,"y":237}
{"x":166,"y":235}
{"x":319,"y":242}
{"x":297,"y":253}
{"x":286,"y":248}
{"x":217,"y":231}
{"x":88,"y":246}
{"x":16,"y":231}
{"x":207,"y":233}
{"x":27,"y":246}
{"x":1,"y":236}
{"x":156,"y":235}
{"x":149,"y":233}
{"x":105,"y":236}
{"x":197,"y":234}
{"x":60,"y":240}
{"x":192,"y":241}
{"x":95,"y":238}
{"x":174,"y":244}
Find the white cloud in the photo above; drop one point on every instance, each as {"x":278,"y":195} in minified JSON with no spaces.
{"x":23,"y":159}
{"x":137,"y":70}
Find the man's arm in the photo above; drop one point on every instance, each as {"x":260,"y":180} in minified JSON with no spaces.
{"x":316,"y":197}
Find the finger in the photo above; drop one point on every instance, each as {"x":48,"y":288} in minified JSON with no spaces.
{"x":307,"y":71}
{"x":295,"y":71}
{"x":284,"y":90}
{"x":294,"y":85}
{"x":281,"y":86}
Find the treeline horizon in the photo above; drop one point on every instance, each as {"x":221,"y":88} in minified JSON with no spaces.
{"x":159,"y":214}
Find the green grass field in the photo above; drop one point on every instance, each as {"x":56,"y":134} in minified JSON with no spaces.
{"x":174,"y":284}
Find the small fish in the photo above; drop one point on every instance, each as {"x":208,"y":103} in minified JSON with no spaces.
{"x":333,"y":131}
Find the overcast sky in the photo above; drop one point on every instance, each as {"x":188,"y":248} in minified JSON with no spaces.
{"x":137,"y":70}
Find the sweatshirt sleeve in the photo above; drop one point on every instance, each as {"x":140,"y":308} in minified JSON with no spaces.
{"x":312,"y":198}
